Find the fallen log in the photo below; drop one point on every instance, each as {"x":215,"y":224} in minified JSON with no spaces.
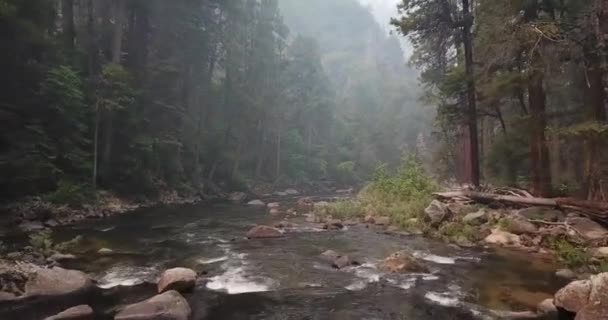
{"x":593,"y":209}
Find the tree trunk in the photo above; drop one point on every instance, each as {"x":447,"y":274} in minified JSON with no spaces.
{"x":69,"y":30}
{"x":593,"y":143}
{"x":118,"y":17}
{"x":474,"y":178}
{"x":278,"y":168}
{"x":539,"y":153}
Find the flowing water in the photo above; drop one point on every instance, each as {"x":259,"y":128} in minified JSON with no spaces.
{"x":285,"y":278}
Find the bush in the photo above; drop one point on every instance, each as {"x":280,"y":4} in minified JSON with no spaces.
{"x":570,"y":255}
{"x":72,"y":194}
{"x":345,"y":172}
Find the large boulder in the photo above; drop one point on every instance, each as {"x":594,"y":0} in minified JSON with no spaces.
{"x":237,"y":196}
{"x":264,"y":232}
{"x":56,"y":282}
{"x":519,"y":225}
{"x":437,"y":212}
{"x":502,"y":238}
{"x":178,"y":279}
{"x":588,"y":229}
{"x":83,"y":312}
{"x":401,"y":262}
{"x":166,"y":306}
{"x":587,"y":298}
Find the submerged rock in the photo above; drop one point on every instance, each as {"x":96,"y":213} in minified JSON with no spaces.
{"x":82,"y":312}
{"x":401,"y":262}
{"x":167,"y":306}
{"x":264,"y":232}
{"x":436,"y":212}
{"x":256,"y":203}
{"x":342,"y":262}
{"x":178,"y":279}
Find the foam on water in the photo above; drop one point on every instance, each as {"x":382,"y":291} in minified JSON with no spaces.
{"x":126,"y":276}
{"x":434,"y":258}
{"x":212,"y":260}
{"x":237,"y":280}
{"x":442,"y":299}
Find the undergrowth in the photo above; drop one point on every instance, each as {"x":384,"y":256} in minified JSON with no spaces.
{"x":402,"y":196}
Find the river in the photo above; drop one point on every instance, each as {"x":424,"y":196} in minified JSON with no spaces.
{"x":285,"y":278}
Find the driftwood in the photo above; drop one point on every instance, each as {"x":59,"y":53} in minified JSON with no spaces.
{"x":593,"y":209}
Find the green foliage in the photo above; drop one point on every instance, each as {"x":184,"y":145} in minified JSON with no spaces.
{"x":410,"y":182}
{"x":571,"y":255}
{"x":42,"y":242}
{"x":345,"y":172}
{"x":72,"y":194}
{"x":507,"y":159}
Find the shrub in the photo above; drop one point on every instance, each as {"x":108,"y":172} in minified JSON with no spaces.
{"x":572,"y":256}
{"x":345,"y":172}
{"x":72,"y":194}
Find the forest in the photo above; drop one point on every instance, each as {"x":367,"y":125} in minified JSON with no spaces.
{"x":303,"y":159}
{"x":141,"y":97}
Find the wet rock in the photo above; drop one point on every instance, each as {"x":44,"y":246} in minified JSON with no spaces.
{"x":60,"y":257}
{"x":82,"y":312}
{"x":541,"y":213}
{"x":330,"y":255}
{"x":382,"y":221}
{"x":283,"y":224}
{"x":593,"y":312}
{"x":566,"y":274}
{"x":273,"y":205}
{"x":600,"y":253}
{"x":7,"y":296}
{"x":342,"y":262}
{"x":546,"y":307}
{"x":292,"y":191}
{"x":31,"y":226}
{"x":292,"y":212}
{"x":436,"y":212}
{"x":333,"y":224}
{"x":51,"y":223}
{"x":264,"y":232}
{"x":167,"y":306}
{"x":502,"y":238}
{"x":105,"y":251}
{"x":56,"y":282}
{"x":274,"y":212}
{"x":237,"y":196}
{"x":178,"y":279}
{"x":519,"y":225}
{"x":574,"y":296}
{"x":476,"y":218}
{"x":259,"y":203}
{"x":587,"y":228}
{"x":313,"y":218}
{"x":401,"y":262}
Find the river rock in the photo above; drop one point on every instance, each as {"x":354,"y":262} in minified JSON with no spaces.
{"x":283,"y":224}
{"x":574,"y":296}
{"x":51,"y":223}
{"x":546,"y":307}
{"x":502,"y":238}
{"x":259,"y":203}
{"x":167,"y":306}
{"x":541,"y":213}
{"x":237,"y":196}
{"x":31,"y":226}
{"x":330,"y":255}
{"x":264,"y":232}
{"x":436,"y":212}
{"x":333,"y":224}
{"x":382,"y":221}
{"x":273,"y":205}
{"x":600,"y":253}
{"x":305,"y":204}
{"x":401,"y":262}
{"x":369,"y":219}
{"x":274,"y":212}
{"x":82,"y":312}
{"x":519,"y":225}
{"x":105,"y":251}
{"x":56,"y":282}
{"x":476,"y":218}
{"x":587,"y":228}
{"x":178,"y":279}
{"x":292,"y":192}
{"x":59,"y":257}
{"x":342,"y":262}
{"x":566,"y":274}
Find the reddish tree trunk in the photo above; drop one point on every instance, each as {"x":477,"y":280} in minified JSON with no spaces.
{"x":539,"y":153}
